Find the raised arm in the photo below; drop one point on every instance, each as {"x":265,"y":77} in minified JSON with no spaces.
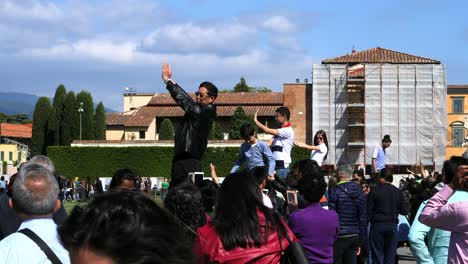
{"x":266,"y":129}
{"x":180,"y":96}
{"x":306,"y":146}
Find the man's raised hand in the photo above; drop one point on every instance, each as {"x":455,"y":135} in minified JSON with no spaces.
{"x":166,"y":72}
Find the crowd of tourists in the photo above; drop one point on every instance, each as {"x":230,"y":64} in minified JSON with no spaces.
{"x":267,"y":210}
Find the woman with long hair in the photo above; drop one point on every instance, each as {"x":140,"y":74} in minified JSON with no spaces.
{"x":244,"y":230}
{"x":319,"y":149}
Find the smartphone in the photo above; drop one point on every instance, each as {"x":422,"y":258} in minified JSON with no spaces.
{"x":292,"y":197}
{"x":196,"y":178}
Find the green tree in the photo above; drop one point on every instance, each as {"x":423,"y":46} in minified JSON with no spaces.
{"x":242,"y":86}
{"x":52,"y":127}
{"x":59,"y":105}
{"x":238,"y":119}
{"x":39,"y":131}
{"x":100,"y":122}
{"x":87,"y":116}
{"x":68,"y":125}
{"x":216,"y":132}
{"x":166,"y":131}
{"x":261,"y":89}
{"x":3,"y":118}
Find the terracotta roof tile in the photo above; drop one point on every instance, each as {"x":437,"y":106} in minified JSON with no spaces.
{"x":273,"y":98}
{"x":113,"y":119}
{"x":457,"y":86}
{"x":15,"y":130}
{"x":142,"y":117}
{"x":379,"y":55}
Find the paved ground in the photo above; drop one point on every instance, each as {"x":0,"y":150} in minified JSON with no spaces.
{"x":405,"y":256}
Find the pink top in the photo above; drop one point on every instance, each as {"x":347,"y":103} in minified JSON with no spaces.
{"x":451,"y":217}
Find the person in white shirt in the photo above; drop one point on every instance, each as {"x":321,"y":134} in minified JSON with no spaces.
{"x":282,"y":141}
{"x":319,"y":149}
{"x":35,"y":199}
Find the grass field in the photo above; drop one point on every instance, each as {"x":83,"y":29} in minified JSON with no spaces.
{"x":70,"y":204}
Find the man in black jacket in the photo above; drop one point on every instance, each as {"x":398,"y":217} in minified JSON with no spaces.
{"x":350,"y":203}
{"x":191,"y":136}
{"x":384,"y":204}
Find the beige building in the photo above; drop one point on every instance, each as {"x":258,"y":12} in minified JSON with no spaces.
{"x":457,"y":115}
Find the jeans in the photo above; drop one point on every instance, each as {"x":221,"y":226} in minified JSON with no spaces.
{"x":383,"y":242}
{"x":283,"y":173}
{"x":345,"y":249}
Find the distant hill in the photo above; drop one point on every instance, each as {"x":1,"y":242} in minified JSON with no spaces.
{"x":21,"y":103}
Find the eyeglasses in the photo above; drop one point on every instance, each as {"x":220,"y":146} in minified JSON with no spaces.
{"x":198,"y":94}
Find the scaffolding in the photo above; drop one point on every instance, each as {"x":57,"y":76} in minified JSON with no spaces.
{"x":356,"y":106}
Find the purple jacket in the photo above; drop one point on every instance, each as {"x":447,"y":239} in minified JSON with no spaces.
{"x":316,"y":229}
{"x":451,"y":217}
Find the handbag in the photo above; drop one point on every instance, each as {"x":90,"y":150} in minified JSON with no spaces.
{"x":294,"y":253}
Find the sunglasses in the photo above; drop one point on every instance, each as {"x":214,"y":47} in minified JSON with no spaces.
{"x":198,"y":94}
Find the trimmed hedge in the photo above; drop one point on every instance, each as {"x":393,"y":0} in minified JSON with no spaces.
{"x":144,"y":161}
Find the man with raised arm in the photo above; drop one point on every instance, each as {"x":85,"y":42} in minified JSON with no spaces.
{"x":191,"y":137}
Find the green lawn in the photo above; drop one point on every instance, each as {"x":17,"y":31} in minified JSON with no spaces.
{"x":70,"y":204}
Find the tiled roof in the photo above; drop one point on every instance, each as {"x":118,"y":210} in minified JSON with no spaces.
{"x":142,"y":117}
{"x":457,"y":86}
{"x":227,"y":99}
{"x":116,"y":119}
{"x":379,"y":55}
{"x":15,"y":130}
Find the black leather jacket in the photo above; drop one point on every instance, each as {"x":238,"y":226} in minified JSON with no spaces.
{"x":191,"y":135}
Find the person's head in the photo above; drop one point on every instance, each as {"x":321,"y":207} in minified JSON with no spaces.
{"x":450,"y":172}
{"x":236,"y":220}
{"x":44,"y":161}
{"x":10,"y":184}
{"x":282,"y":115}
{"x":2,"y":178}
{"x":386,"y":175}
{"x":260,"y":176}
{"x":312,"y":184}
{"x":124,"y":227}
{"x":247,"y":133}
{"x":297,"y":169}
{"x":123,"y":179}
{"x":321,"y":138}
{"x":35,"y":192}
{"x":207,"y":93}
{"x":386,"y":141}
{"x":185,"y":202}
{"x":365,"y":187}
{"x":345,"y":172}
{"x":357,"y":176}
{"x":209,"y":191}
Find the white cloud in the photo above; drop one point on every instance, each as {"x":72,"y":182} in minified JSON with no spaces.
{"x":279,"y":24}
{"x":222,"y":39}
{"x":30,"y":10}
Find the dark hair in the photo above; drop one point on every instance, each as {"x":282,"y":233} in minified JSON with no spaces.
{"x":386,"y":139}
{"x":298,"y":168}
{"x":325,"y":140}
{"x":387,"y":175}
{"x":185,"y":202}
{"x":209,"y":191}
{"x":284,"y":111}
{"x":128,"y":227}
{"x":211,"y":88}
{"x":246,"y":131}
{"x":450,"y":167}
{"x":119,"y":176}
{"x":236,"y":220}
{"x":312,"y":184}
{"x":259,"y":174}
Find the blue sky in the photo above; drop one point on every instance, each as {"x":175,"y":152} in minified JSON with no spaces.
{"x":104,"y":46}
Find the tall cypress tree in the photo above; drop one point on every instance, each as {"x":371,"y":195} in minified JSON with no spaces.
{"x":39,"y":131}
{"x":87,"y":116}
{"x":52,"y":128}
{"x":59,"y":104}
{"x":166,"y":131}
{"x":216,"y":132}
{"x":238,"y":119}
{"x":68,"y":124}
{"x":100,"y":122}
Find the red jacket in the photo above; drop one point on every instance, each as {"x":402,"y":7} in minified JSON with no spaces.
{"x":209,"y":248}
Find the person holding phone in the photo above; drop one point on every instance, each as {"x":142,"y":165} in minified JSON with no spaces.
{"x":191,"y":137}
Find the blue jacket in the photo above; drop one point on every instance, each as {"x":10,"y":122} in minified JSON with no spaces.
{"x":350,"y":203}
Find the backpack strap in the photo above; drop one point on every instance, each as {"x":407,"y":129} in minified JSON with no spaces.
{"x":42,"y":245}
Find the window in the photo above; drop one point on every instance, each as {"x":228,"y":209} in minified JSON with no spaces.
{"x":458,"y":135}
{"x":10,"y":155}
{"x":142,"y":134}
{"x":457,"y":104}
{"x":2,"y":155}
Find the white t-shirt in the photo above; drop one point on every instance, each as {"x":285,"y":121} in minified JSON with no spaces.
{"x":267,"y":201}
{"x":319,"y":155}
{"x":284,"y":140}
